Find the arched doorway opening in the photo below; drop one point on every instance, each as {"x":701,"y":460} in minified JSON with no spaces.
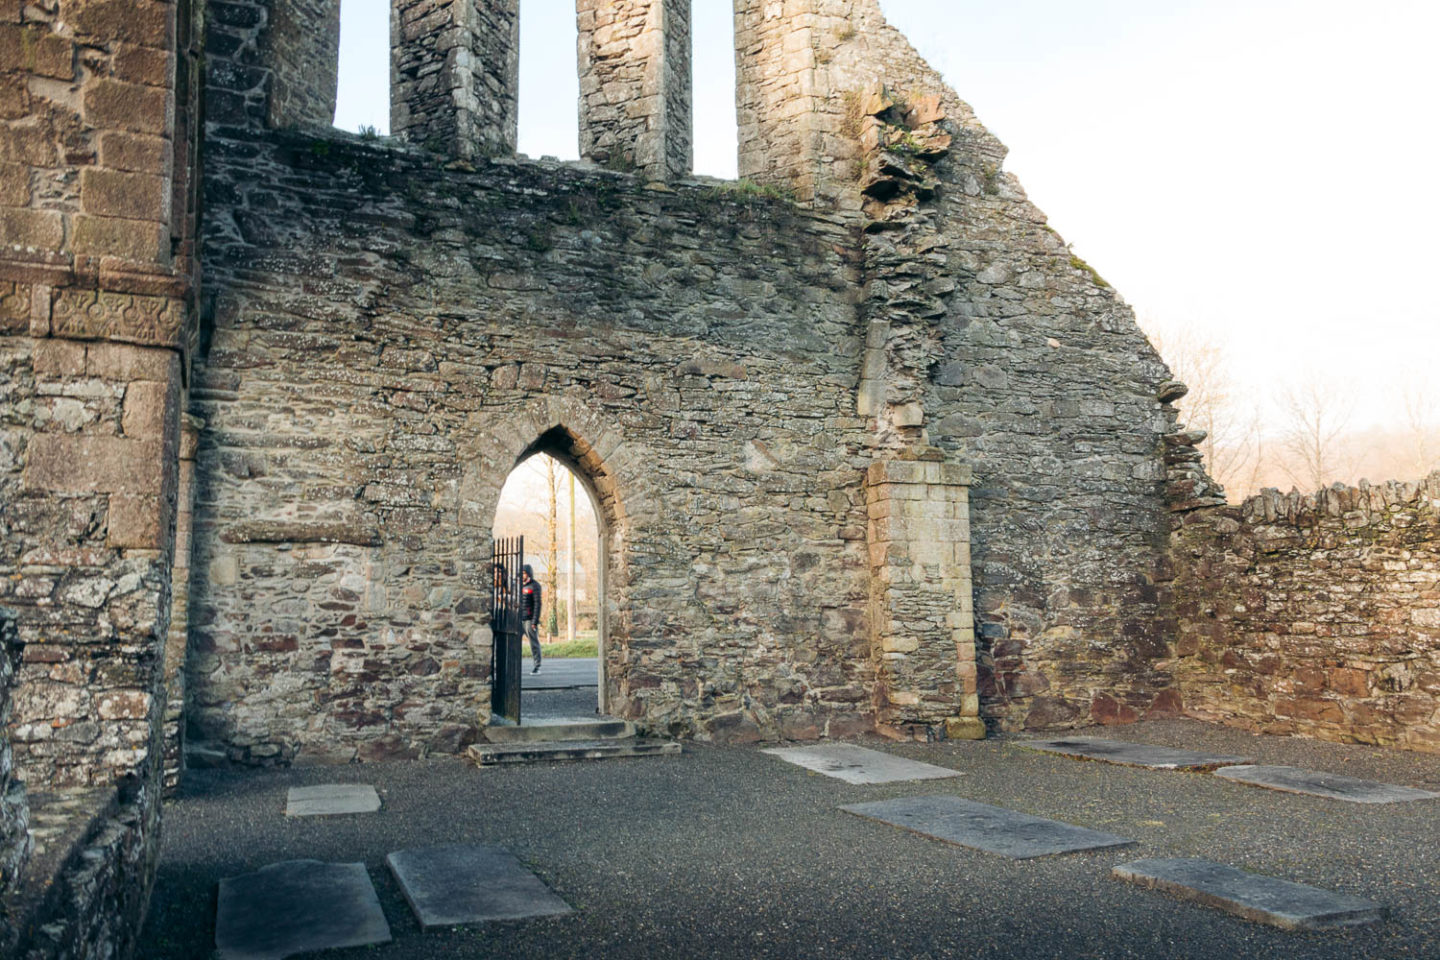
{"x":551,"y":501}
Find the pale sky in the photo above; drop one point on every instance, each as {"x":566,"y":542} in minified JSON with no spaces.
{"x":1261,"y":169}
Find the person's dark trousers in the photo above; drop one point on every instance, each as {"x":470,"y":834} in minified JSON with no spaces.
{"x":532,"y":632}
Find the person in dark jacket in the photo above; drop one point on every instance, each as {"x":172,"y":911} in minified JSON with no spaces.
{"x":530,"y":596}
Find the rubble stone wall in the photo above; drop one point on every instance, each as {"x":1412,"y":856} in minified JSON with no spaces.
{"x":977,"y":332}
{"x":390,"y":337}
{"x":987,"y":338}
{"x":1316,"y":615}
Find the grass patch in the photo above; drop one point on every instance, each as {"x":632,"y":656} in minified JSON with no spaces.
{"x":582,"y":646}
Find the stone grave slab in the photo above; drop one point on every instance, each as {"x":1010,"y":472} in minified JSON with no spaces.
{"x":860,"y":765}
{"x":1319,"y":784}
{"x":332,"y":799}
{"x":1280,"y":903}
{"x":1133,"y":754}
{"x":295,"y":907}
{"x":470,"y":883}
{"x":980,"y":826}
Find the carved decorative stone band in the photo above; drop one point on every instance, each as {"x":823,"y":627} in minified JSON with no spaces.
{"x":99,"y":315}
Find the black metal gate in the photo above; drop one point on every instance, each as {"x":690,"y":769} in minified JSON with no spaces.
{"x":507,"y":627}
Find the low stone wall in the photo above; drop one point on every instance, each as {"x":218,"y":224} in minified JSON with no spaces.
{"x":1315,"y":615}
{"x":80,"y":899}
{"x":15,"y":841}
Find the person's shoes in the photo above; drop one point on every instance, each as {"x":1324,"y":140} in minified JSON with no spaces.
{"x":535,"y":670}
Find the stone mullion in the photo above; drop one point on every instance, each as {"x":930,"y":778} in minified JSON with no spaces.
{"x":635,"y":88}
{"x":455,"y":75}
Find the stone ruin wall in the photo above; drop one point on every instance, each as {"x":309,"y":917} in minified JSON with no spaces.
{"x":989,"y":339}
{"x":389,"y":337}
{"x":978,"y":337}
{"x":1316,"y":615}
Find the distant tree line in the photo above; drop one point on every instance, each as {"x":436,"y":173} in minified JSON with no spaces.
{"x":1302,"y":434}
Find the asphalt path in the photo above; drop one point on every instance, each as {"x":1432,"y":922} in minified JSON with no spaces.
{"x":727,"y":852}
{"x":561,"y":674}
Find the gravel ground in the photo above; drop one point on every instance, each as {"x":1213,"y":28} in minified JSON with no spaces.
{"x":727,"y":852}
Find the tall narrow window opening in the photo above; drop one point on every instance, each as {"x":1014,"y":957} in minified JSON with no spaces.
{"x":549,"y":80}
{"x":362,"y":103}
{"x":716,"y":124}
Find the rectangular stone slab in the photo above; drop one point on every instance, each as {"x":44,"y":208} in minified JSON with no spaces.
{"x":1318,"y":784}
{"x":980,"y":826}
{"x":845,"y":761}
{"x":1280,"y":903}
{"x":297,"y":906}
{"x":1133,"y":754}
{"x":332,"y":799}
{"x":470,"y":883}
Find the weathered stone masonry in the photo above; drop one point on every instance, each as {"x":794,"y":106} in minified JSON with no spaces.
{"x":380,"y":317}
{"x":97,"y":263}
{"x":1315,"y":615}
{"x":873,"y":451}
{"x":383,"y":332}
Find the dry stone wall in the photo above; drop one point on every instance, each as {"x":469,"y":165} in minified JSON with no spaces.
{"x":1316,"y":615}
{"x":389,"y":337}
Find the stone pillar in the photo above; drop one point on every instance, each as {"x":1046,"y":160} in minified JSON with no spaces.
{"x":272,"y":63}
{"x":94,"y":324}
{"x":635,"y":87}
{"x":455,"y":75}
{"x":775,"y":93}
{"x":177,"y":645}
{"x":922,"y":623}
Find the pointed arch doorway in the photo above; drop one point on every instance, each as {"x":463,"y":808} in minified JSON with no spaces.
{"x":550,"y":498}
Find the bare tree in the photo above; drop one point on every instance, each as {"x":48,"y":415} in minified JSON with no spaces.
{"x":1233,"y":447}
{"x":1421,"y":429}
{"x":1316,"y":414}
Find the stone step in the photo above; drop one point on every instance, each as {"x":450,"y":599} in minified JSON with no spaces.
{"x":487,"y":754}
{"x":559,"y":729}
